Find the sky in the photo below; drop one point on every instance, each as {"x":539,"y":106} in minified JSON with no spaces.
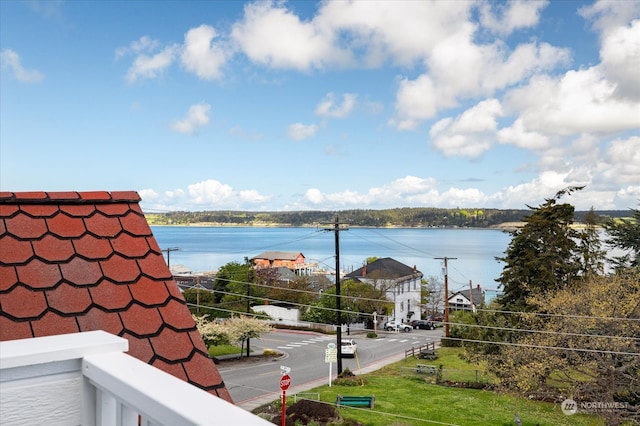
{"x":332,"y":105}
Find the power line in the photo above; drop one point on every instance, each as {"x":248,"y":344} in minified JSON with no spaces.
{"x":446,"y":294}
{"x":586,"y":350}
{"x":336,"y":232}
{"x":560,"y":333}
{"x":526,"y":345}
{"x":545,"y":314}
{"x":388,"y":301}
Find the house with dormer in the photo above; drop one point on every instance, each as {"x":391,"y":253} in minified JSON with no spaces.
{"x":403,"y":285}
{"x":466,"y":299}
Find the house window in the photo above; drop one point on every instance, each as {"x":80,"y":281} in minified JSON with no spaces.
{"x":401,"y":306}
{"x":459,"y":300}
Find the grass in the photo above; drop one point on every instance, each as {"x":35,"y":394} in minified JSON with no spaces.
{"x":224,"y":350}
{"x":409,"y":399}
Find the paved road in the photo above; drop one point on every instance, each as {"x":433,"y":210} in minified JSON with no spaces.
{"x":255,"y":384}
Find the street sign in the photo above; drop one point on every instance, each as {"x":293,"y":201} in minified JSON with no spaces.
{"x":285,"y":381}
{"x":331,"y":355}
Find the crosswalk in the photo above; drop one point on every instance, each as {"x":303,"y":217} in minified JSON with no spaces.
{"x":306,"y":342}
{"x":322,"y":339}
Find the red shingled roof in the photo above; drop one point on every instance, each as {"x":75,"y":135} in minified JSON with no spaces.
{"x":81,"y":261}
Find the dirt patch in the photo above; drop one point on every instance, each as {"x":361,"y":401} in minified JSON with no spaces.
{"x":305,"y":412}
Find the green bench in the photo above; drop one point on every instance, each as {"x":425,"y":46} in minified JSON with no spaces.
{"x":428,"y":354}
{"x":355,"y":401}
{"x":424,"y":368}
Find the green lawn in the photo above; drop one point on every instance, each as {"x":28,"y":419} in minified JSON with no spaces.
{"x":406,"y":398}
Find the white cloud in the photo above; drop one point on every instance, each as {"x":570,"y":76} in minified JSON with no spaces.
{"x":517,"y":135}
{"x":409,"y":189}
{"x":577,"y":102}
{"x":151,"y":59}
{"x":471,"y":133}
{"x":10,"y":60}
{"x":619,"y":26}
{"x":142,"y":45}
{"x":200,"y":55}
{"x":212,"y":194}
{"x":504,"y":18}
{"x":148,"y":195}
{"x":623,"y":157}
{"x":271,"y":35}
{"x":401,"y":31}
{"x":328,"y":108}
{"x":620,"y":54}
{"x":197,"y":116}
{"x":299,"y":131}
{"x":460,"y":69}
{"x":605,"y":15}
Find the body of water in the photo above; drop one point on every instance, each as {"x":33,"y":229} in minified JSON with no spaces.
{"x":472,"y":252}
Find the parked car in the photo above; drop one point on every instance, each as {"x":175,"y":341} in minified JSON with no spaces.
{"x":394,"y":325}
{"x":348,"y":348}
{"x":436,"y":318}
{"x":423,"y":325}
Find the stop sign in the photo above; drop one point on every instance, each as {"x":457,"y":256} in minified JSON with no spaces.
{"x":285,"y":381}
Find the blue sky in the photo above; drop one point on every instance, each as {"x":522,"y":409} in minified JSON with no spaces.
{"x":264,"y":106}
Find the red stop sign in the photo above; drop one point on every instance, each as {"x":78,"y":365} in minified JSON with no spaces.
{"x":285,"y":381}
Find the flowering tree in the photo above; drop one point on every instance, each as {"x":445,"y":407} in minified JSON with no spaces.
{"x":213,"y":333}
{"x":236,"y":329}
{"x":243,"y":328}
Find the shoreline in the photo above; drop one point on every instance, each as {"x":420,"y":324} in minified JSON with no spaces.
{"x":501,"y":227}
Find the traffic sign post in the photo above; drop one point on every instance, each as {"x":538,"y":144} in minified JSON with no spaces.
{"x":330,"y":356}
{"x":285,"y":382}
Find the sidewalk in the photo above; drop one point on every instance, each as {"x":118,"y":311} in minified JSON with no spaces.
{"x":254,"y":403}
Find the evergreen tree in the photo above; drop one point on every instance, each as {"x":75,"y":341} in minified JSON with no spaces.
{"x":590,"y":247}
{"x":541,"y":255}
{"x":625,"y":235}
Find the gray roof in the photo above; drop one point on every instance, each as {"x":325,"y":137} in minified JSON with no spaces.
{"x":385,"y":268}
{"x":478,"y":295}
{"x":279,"y":255}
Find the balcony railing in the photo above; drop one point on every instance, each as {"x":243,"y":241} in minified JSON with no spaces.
{"x":87,"y":379}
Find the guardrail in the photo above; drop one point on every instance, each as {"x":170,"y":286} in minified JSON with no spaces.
{"x":86,"y":378}
{"x":426,"y":351}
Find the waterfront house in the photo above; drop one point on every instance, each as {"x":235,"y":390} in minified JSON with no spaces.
{"x":402,"y":283}
{"x":466,"y":299}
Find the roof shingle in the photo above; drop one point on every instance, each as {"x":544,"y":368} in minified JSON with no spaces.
{"x":80,"y":261}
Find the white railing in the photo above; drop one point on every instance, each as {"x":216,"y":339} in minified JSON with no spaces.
{"x":86,"y":378}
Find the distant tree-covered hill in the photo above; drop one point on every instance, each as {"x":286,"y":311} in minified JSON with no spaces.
{"x":399,"y":217}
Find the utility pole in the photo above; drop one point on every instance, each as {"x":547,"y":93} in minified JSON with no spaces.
{"x":336,"y":229}
{"x":446,"y":293}
{"x":169,"y":250}
{"x":248,"y":304}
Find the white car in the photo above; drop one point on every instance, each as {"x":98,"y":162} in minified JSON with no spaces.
{"x":394,"y":325}
{"x":349,"y":347}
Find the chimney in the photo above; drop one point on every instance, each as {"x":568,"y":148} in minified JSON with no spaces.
{"x":414,"y":268}
{"x":364,"y":271}
{"x":478,"y":287}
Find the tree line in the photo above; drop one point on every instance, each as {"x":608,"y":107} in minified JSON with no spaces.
{"x":401,"y":217}
{"x":564,"y":326}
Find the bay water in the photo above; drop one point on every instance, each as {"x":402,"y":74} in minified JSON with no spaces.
{"x":471,"y":252}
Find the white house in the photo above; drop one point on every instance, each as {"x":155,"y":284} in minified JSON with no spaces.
{"x":403,"y":284}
